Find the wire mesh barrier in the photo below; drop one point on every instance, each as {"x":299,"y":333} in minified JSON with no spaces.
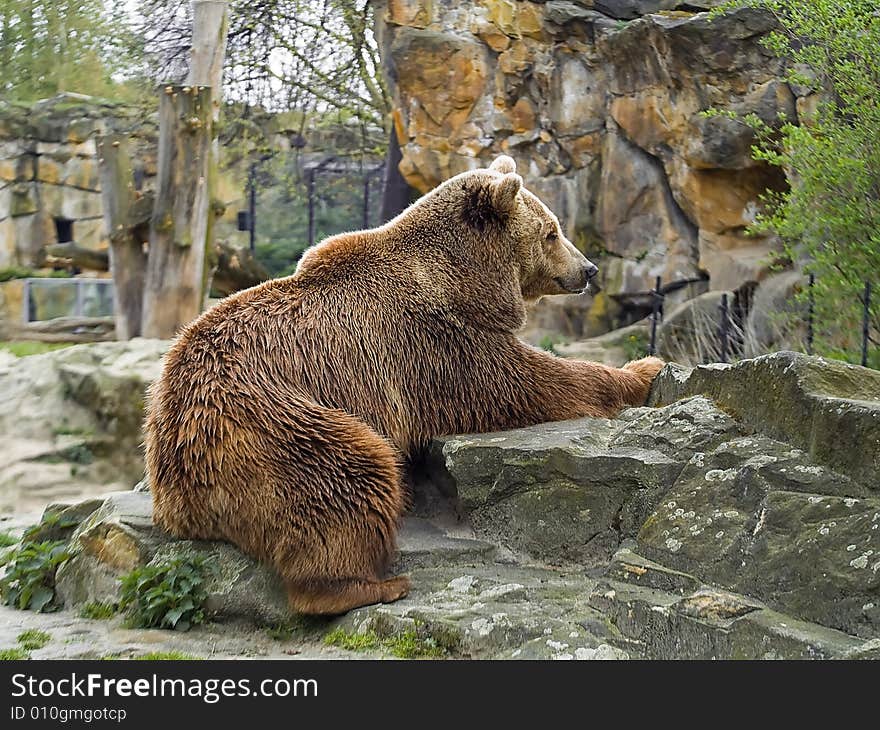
{"x":720,"y":333}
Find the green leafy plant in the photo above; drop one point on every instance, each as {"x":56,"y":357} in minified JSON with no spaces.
{"x":7,"y":539}
{"x":169,"y":595}
{"x":29,"y":581}
{"x":33,"y":639}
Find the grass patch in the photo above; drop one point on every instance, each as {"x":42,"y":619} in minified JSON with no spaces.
{"x":166,"y":656}
{"x":12,"y":655}
{"x":352,"y":642}
{"x":98,"y":610}
{"x":7,"y":539}
{"x":71,"y":431}
{"x":33,"y":639}
{"x":408,"y":645}
{"x":24,"y":348}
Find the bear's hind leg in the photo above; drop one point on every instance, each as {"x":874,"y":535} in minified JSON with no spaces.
{"x":339,"y":596}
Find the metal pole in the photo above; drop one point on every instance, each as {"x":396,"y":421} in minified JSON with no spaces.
{"x":810,"y":316}
{"x":722,"y":328}
{"x":252,"y":207}
{"x":865,"y":317}
{"x":311,"y":191}
{"x":655,"y":310}
{"x":367,"y":201}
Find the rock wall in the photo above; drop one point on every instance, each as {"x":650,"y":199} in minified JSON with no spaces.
{"x":599,"y":102}
{"x":49,"y":175}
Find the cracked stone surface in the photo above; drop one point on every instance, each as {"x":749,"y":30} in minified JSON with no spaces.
{"x":703,"y":527}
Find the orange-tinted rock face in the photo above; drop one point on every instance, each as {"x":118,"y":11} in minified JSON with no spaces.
{"x":600,"y":104}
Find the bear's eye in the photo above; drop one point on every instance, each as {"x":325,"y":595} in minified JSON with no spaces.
{"x":552,"y":236}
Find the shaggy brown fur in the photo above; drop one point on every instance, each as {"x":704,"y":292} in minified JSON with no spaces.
{"x":283,"y":414}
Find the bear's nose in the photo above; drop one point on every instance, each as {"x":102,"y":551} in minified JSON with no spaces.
{"x":591,"y":270}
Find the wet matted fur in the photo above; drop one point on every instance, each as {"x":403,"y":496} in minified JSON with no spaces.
{"x":283,"y":414}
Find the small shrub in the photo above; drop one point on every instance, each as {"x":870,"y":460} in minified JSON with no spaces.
{"x":29,"y":581}
{"x":97,"y":610}
{"x":33,"y":639}
{"x":7,"y":539}
{"x":169,"y":595}
{"x":12,"y":655}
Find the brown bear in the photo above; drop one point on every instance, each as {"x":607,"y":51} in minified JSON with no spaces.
{"x":284,"y":414}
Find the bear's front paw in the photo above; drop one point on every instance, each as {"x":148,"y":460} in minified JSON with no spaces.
{"x":646,"y":368}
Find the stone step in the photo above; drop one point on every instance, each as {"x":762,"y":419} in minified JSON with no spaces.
{"x":494,"y":612}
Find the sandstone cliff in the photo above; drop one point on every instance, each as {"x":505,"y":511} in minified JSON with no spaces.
{"x":599,"y":102}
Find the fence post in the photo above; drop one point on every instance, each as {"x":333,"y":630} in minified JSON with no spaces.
{"x":366,"y":209}
{"x":810,"y":308}
{"x":310,"y":183}
{"x":865,"y":317}
{"x":723,"y":327}
{"x":656,"y":298}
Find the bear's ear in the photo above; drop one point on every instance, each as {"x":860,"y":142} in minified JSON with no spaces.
{"x":504,"y":192}
{"x":503,"y":164}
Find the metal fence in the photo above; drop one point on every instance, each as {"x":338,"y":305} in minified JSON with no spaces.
{"x":729,"y":327}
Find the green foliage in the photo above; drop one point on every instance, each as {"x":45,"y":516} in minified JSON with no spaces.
{"x":50,"y":46}
{"x":406,"y":645}
{"x":98,"y":610}
{"x":829,"y":220}
{"x":29,"y":581}
{"x":13,"y":655}
{"x":22,"y":272}
{"x":33,"y":639}
{"x":7,"y":539}
{"x":548,"y":342}
{"x":24,"y":348}
{"x":170,"y":595}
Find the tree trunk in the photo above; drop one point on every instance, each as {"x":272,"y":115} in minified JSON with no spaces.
{"x":127,"y":259}
{"x":210,"y":27}
{"x":180,"y":227}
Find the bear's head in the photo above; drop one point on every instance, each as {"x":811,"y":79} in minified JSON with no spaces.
{"x":512,"y":227}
